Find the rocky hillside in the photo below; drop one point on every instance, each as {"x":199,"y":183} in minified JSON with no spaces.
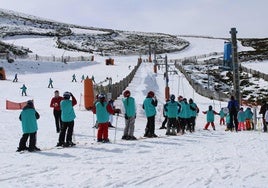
{"x":86,"y":39}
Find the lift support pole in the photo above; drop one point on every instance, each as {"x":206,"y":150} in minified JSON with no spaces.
{"x":236,"y":74}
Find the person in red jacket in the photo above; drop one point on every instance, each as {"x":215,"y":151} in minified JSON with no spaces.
{"x":55,"y":104}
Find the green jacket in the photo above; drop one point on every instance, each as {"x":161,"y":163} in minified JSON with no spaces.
{"x":102,"y":112}
{"x":185,"y":110}
{"x":67,"y":110}
{"x":149,"y":105}
{"x":171,"y":109}
{"x":129,"y":106}
{"x":28,"y":117}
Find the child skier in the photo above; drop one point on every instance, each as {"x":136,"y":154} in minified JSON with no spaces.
{"x":210,"y":117}
{"x":102,"y":110}
{"x":194,"y":110}
{"x":28,"y":118}
{"x":222,"y":115}
{"x":241,"y":119}
{"x":248,"y":116}
{"x":23,"y":90}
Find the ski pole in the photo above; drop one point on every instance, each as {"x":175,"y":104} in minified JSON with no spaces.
{"x":94,"y":126}
{"x":115,"y":127}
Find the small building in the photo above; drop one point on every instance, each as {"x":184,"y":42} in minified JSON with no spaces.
{"x":2,"y":74}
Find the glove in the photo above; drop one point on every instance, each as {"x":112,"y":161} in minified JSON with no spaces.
{"x":126,"y":117}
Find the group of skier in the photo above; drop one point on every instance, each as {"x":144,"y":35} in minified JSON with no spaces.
{"x":180,"y":116}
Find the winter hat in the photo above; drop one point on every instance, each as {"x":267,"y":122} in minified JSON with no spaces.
{"x":180,"y":98}
{"x":150,"y":94}
{"x":191,"y":100}
{"x":66,"y":95}
{"x":126,"y":93}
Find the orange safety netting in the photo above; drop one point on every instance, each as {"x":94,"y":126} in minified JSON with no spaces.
{"x":14,"y":105}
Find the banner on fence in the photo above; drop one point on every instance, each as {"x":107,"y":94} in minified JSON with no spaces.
{"x":15,"y":105}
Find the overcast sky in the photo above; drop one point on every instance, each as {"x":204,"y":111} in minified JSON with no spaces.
{"x":199,"y":17}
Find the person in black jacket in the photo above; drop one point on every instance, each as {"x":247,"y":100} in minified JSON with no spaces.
{"x":263,"y":109}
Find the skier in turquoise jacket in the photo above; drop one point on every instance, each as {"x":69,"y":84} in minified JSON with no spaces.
{"x":28,"y":118}
{"x":67,"y":118}
{"x":210,"y":117}
{"x":23,"y":90}
{"x":172,"y":107}
{"x":102,"y":110}
{"x":130,"y":116}
{"x":194,"y":110}
{"x":149,"y":105}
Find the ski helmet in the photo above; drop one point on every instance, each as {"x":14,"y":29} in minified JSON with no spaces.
{"x":66,"y":95}
{"x":210,"y":107}
{"x":172,"y":97}
{"x":101,"y":96}
{"x":126,"y":93}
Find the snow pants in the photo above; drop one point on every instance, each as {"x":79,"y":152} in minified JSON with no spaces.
{"x":222,"y":121}
{"x":192,"y":123}
{"x":172,"y":125}
{"x":212,"y":124}
{"x":102,"y":131}
{"x":233,"y":121}
{"x":57,"y":116}
{"x":24,"y":138}
{"x":150,"y":127}
{"x":69,"y":127}
{"x":129,"y":126}
{"x":241,"y":126}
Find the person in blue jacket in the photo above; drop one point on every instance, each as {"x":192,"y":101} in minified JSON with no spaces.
{"x":233,"y":107}
{"x":28,"y":118}
{"x":67,"y":118}
{"x":130,"y":116}
{"x":149,"y":105}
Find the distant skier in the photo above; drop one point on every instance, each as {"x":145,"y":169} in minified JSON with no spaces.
{"x":130,"y":116}
{"x":28,"y":118}
{"x":82,"y":78}
{"x":102,"y":110}
{"x":149,"y":105}
{"x":50,"y":83}
{"x":67,"y":117}
{"x":210,"y":117}
{"x":15,"y":78}
{"x":74,"y":78}
{"x":55,"y":104}
{"x":23,"y":90}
